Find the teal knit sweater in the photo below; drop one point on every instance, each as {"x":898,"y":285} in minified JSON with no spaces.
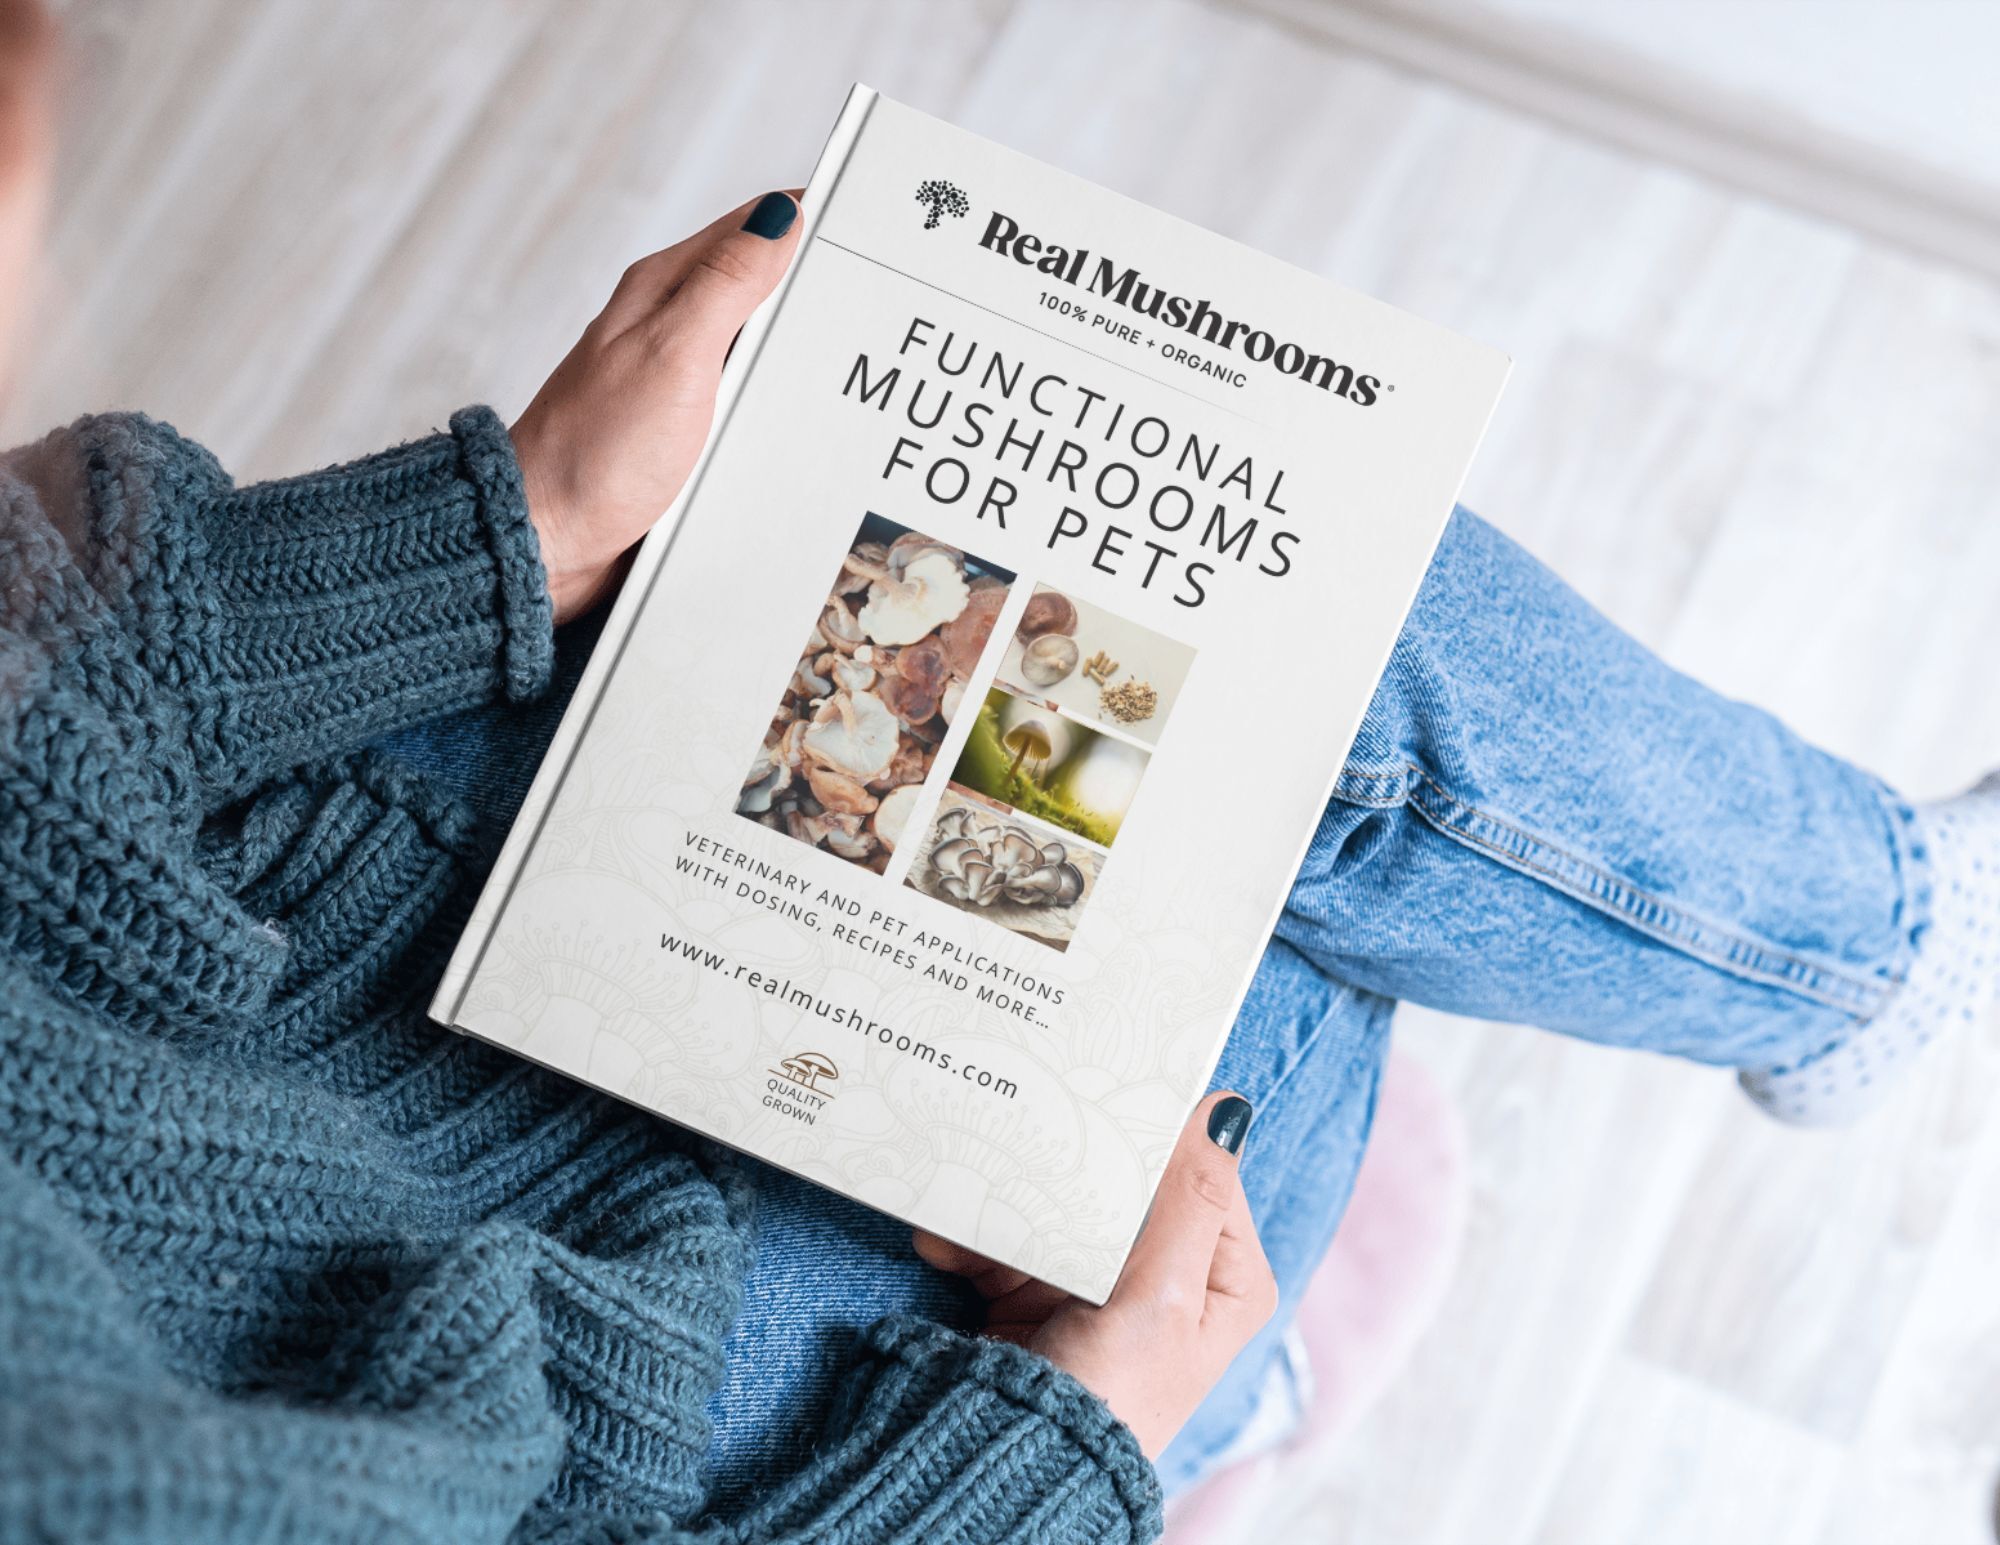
{"x":279,"y":1259}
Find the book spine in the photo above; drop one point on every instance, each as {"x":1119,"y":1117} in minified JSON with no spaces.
{"x":463,"y":968}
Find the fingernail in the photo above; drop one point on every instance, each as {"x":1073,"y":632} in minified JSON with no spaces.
{"x":1229,"y":1123}
{"x":772,"y":217}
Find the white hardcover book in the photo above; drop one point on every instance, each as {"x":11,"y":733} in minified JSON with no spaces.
{"x":923,"y":813}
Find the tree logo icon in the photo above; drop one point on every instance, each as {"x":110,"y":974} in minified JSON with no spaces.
{"x":940,"y":199}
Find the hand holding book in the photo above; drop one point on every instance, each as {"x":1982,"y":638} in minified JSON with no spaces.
{"x":1194,"y":1291}
{"x":613,"y":433}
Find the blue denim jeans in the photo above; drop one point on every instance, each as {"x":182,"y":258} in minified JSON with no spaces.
{"x":1539,"y":822}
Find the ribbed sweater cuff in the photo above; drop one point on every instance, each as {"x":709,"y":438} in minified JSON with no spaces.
{"x":354,"y":601}
{"x":486,"y":452}
{"x":976,"y":1438}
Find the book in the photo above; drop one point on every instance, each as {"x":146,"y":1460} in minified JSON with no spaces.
{"x":924,"y":810}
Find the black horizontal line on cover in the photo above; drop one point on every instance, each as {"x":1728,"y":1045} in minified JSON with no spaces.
{"x":1070,"y":343}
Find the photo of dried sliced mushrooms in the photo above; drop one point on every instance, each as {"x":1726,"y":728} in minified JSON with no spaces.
{"x":882,"y":671}
{"x":1006,"y":869}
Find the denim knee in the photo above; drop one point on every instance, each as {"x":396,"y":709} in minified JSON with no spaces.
{"x":1540,"y":820}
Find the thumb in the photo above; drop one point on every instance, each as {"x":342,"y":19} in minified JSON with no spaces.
{"x":1200,"y":1201}
{"x":729,"y":278}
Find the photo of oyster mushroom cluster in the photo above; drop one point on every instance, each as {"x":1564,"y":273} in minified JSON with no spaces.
{"x":881,"y":672}
{"x":982,"y":861}
{"x":1006,"y":869}
{"x":1098,"y":666}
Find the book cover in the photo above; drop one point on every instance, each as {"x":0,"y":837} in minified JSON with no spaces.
{"x":921,"y":818}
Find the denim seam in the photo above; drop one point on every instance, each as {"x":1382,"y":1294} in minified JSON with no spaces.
{"x":1911,"y":854}
{"x":1344,"y":996}
{"x":1310,"y":1044}
{"x":1675,"y":926}
{"x":1304,"y":1050}
{"x":1387,"y":788}
{"x":1913,"y":912}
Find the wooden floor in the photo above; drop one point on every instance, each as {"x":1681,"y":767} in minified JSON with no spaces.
{"x":300,"y":230}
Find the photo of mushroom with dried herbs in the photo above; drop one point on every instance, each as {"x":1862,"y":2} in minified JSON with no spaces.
{"x":1094,"y":664}
{"x":999,"y":866}
{"x":881,"y":673}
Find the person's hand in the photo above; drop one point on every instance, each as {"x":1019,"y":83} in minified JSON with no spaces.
{"x":1194,"y":1291}
{"x":612,"y":435}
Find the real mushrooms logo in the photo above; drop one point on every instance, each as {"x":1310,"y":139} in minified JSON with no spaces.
{"x":940,"y":199}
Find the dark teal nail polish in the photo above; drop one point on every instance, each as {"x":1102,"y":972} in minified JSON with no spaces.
{"x":772,"y":217}
{"x":1229,"y":1123}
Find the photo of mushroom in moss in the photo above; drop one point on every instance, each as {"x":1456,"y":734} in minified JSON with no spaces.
{"x":1026,"y":756}
{"x":1000,"y":866}
{"x":876,"y":683}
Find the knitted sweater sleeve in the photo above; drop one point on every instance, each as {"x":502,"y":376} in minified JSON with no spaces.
{"x":943,"y":1436}
{"x":298,"y":619}
{"x":936,"y":1437}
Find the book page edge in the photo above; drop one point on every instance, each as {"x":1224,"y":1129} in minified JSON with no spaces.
{"x":463,"y":967}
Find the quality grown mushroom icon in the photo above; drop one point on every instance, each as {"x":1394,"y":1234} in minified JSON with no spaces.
{"x":808,"y":1068}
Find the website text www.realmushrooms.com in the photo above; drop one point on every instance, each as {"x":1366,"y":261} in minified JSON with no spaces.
{"x":841,"y":1015}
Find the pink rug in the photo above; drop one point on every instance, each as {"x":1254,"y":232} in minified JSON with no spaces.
{"x":1372,"y":1298}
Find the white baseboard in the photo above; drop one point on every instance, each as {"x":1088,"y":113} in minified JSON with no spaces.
{"x":1617,"y":99}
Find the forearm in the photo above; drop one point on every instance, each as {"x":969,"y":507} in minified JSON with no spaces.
{"x":284,"y":622}
{"x":353,"y":601}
